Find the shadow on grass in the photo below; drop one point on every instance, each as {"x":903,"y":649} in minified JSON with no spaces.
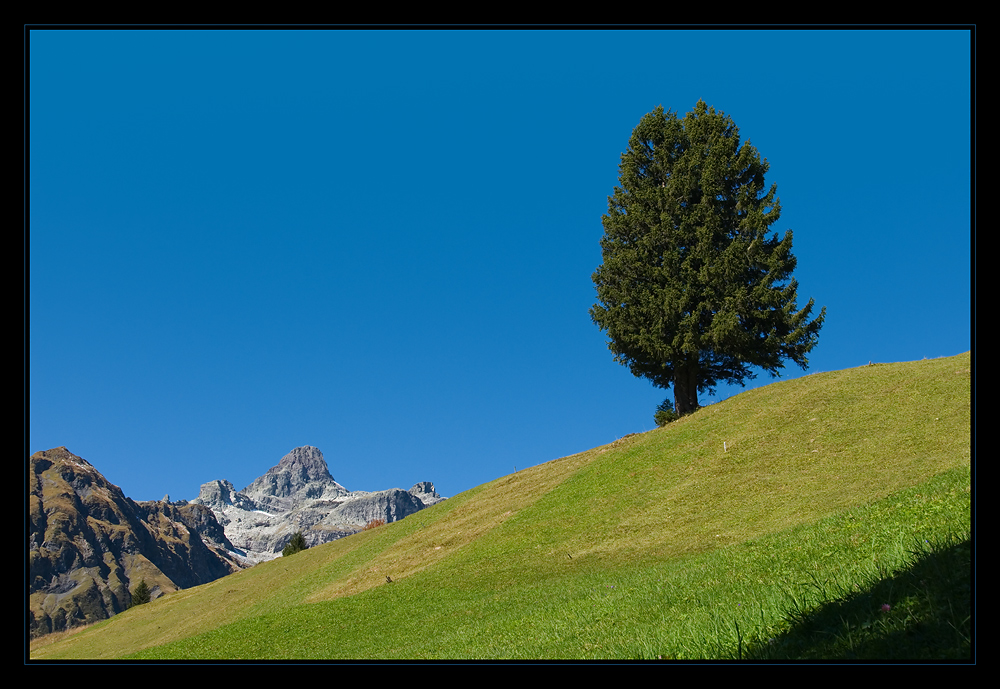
{"x":920,"y":612}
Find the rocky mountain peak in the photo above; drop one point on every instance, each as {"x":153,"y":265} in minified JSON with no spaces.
{"x":299,"y":494}
{"x":307,"y":462}
{"x":302,"y":473}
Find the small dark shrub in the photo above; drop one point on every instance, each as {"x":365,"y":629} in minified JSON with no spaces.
{"x":295,"y":545}
{"x":665,"y":413}
{"x":373,"y":524}
{"x":140,"y":594}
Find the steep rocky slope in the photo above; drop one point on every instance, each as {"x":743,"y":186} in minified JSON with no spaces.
{"x":89,"y":545}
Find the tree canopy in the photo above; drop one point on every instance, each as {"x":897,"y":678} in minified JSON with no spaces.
{"x":694,"y":290}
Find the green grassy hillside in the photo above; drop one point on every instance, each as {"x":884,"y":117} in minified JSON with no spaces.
{"x":752,"y":528}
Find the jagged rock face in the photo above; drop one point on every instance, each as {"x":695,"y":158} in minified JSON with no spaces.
{"x":88,"y":544}
{"x":301,"y":475}
{"x":388,"y":505}
{"x":299,"y":494}
{"x":425,"y":492}
{"x":220,"y":496}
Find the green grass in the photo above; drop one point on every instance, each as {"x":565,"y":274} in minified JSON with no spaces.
{"x":917,"y":611}
{"x":835,"y":494}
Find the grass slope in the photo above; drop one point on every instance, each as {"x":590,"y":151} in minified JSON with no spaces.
{"x":739,"y":531}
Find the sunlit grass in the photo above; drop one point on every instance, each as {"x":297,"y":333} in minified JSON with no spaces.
{"x":665,"y":544}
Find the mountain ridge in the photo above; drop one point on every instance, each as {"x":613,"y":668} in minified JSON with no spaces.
{"x":300,"y":494}
{"x":89,"y":544}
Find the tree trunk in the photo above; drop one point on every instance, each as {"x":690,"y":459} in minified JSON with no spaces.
{"x":685,"y":388}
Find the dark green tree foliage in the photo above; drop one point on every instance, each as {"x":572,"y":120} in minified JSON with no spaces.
{"x":665,"y":413}
{"x":693,"y":290}
{"x":297,"y":543}
{"x":140,"y":594}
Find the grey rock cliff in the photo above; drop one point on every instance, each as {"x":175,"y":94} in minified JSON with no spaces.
{"x":299,"y":494}
{"x":426,"y":493}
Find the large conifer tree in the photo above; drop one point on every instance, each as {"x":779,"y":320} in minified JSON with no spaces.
{"x":693,"y":290}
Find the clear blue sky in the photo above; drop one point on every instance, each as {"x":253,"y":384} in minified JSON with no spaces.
{"x":381,"y":243}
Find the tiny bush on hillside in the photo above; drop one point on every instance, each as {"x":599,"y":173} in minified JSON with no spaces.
{"x":295,"y":545}
{"x":665,"y":413}
{"x":373,"y":524}
{"x":140,"y":594}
